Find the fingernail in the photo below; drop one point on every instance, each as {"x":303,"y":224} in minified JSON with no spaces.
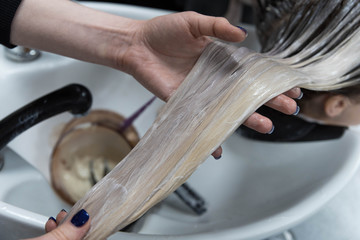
{"x":63,"y":210}
{"x":244,"y":30}
{"x":217,"y":158}
{"x":80,"y":218}
{"x":52,"y":219}
{"x":301,"y":95}
{"x":297,"y":111}
{"x":272,"y":130}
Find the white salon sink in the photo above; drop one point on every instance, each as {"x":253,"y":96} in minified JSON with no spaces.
{"x":256,"y":190}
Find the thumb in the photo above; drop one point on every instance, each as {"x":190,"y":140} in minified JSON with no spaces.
{"x":75,"y":229}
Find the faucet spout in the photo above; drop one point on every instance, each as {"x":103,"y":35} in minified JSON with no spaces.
{"x":74,"y":98}
{"x":21,"y":54}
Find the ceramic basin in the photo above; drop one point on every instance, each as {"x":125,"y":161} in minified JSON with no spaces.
{"x":257,"y":189}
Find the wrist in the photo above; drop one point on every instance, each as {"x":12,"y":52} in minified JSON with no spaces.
{"x":70,"y":29}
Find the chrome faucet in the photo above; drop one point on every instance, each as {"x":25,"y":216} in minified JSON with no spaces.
{"x":21,"y":54}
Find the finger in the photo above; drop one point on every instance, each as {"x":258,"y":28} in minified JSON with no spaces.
{"x":50,"y":225}
{"x":61,"y":215}
{"x":259,"y":123}
{"x":219,"y":27}
{"x":294,"y":93}
{"x":283,"y":104}
{"x":75,"y":229}
{"x":217,"y":153}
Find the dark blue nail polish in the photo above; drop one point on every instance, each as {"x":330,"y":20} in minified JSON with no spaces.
{"x":217,"y":158}
{"x":244,"y":30}
{"x":297,"y":111}
{"x":63,"y":210}
{"x":272,"y":130}
{"x":80,"y":218}
{"x":301,"y":95}
{"x":52,"y":219}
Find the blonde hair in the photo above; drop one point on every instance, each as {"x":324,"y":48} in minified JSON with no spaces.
{"x":225,"y":86}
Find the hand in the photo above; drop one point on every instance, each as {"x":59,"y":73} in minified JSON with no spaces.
{"x":164,"y":49}
{"x":75,"y":229}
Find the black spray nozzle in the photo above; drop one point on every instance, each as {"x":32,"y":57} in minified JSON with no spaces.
{"x":74,"y":98}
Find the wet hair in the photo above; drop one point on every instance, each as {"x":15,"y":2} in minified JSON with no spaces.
{"x":225,"y":86}
{"x":280,"y":23}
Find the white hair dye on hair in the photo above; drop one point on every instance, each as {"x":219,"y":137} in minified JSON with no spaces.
{"x":316,"y":46}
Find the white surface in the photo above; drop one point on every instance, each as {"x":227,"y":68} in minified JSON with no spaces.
{"x":258,"y":189}
{"x":255,"y":190}
{"x":27,"y":200}
{"x":337,"y":220}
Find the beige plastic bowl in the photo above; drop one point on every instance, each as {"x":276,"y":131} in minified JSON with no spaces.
{"x":89,"y":147}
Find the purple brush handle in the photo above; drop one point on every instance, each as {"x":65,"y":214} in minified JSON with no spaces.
{"x":128,"y":122}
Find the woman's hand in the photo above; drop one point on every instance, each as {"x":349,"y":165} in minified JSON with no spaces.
{"x":164,"y":49}
{"x":75,"y":229}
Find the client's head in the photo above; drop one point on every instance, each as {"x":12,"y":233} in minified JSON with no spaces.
{"x":338,"y":107}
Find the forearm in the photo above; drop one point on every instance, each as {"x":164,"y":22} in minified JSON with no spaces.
{"x":73,"y":30}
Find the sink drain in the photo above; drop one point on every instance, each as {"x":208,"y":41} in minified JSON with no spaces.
{"x":288,"y":235}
